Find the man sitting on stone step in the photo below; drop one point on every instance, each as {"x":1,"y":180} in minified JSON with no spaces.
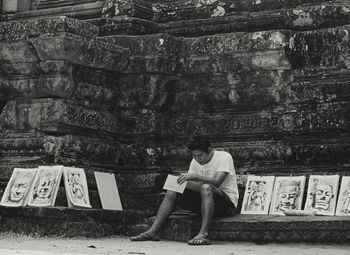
{"x":211,"y":191}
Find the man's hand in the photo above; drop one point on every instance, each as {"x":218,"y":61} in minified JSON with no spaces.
{"x":185,"y":177}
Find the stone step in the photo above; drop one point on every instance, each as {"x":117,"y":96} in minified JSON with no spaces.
{"x":303,"y":17}
{"x":239,"y":52}
{"x":185,"y":10}
{"x":67,"y":222}
{"x":81,"y":11}
{"x":46,"y":4}
{"x":263,"y":228}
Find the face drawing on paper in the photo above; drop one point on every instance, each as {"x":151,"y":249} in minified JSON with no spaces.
{"x":322,"y":196}
{"x":20,"y":186}
{"x":287,"y":199}
{"x":76,"y":188}
{"x":345,"y":207}
{"x":256,"y":198}
{"x":43,"y":191}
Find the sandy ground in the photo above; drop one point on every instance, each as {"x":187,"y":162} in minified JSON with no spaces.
{"x":11,"y":244}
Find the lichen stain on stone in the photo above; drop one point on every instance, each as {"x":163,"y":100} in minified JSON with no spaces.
{"x":233,"y":96}
{"x":161,"y":41}
{"x":346,"y":9}
{"x":231,"y":80}
{"x":257,"y":36}
{"x":49,"y":147}
{"x":292,"y":41}
{"x":207,"y":2}
{"x":155,"y":9}
{"x":270,"y":60}
{"x":303,"y":18}
{"x":116,"y":10}
{"x":218,"y":12}
{"x":150,"y":151}
{"x":277,"y":39}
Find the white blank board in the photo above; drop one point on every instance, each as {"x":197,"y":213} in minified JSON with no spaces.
{"x":108,"y":191}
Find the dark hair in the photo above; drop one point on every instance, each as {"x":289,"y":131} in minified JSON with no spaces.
{"x":197,"y":142}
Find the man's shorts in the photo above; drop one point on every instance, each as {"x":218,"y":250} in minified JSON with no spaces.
{"x":192,"y":201}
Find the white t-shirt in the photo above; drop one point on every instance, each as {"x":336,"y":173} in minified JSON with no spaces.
{"x":221,"y":162}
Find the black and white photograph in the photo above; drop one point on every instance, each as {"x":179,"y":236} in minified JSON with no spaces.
{"x":184,"y":127}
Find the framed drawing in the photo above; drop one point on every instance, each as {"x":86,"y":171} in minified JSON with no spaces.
{"x":343,"y":205}
{"x":76,"y":187}
{"x":322,"y":194}
{"x":45,"y":186}
{"x":17,"y":189}
{"x":257,"y":195}
{"x":287,"y":194}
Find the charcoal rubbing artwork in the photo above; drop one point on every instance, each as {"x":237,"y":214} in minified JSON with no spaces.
{"x":76,"y":187}
{"x":45,"y":186}
{"x":343,"y":204}
{"x":257,"y":195}
{"x":18,"y":187}
{"x":287,"y":194}
{"x":322,"y":194}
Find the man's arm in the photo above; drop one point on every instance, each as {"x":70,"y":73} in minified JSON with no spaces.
{"x":217,"y":180}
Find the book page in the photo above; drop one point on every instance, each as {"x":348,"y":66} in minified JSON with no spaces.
{"x":171,"y":184}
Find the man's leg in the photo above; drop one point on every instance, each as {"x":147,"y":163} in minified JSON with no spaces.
{"x":166,"y":208}
{"x":207,"y":210}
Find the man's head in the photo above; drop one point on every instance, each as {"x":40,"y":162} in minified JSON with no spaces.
{"x":200,"y":149}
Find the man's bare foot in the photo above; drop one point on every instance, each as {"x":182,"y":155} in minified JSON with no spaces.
{"x":145,"y":236}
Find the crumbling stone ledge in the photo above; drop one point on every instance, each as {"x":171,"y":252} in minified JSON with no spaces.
{"x":68,"y":222}
{"x":263,"y":228}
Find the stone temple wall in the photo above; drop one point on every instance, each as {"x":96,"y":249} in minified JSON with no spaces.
{"x":266,"y":80}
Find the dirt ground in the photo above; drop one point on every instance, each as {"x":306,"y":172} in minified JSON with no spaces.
{"x":12,"y":244}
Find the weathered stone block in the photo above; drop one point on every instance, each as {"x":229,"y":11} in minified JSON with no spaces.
{"x":264,"y":228}
{"x":321,"y":117}
{"x":9,"y":6}
{"x":80,"y":11}
{"x":54,"y":80}
{"x":184,"y":10}
{"x":224,"y":44}
{"x":125,"y":25}
{"x":33,"y":150}
{"x":21,"y":29}
{"x":133,"y":8}
{"x":78,"y":50}
{"x":56,"y":4}
{"x":264,"y":60}
{"x":319,"y":48}
{"x":55,"y":115}
{"x":44,"y":86}
{"x":147,"y":203}
{"x":148,"y":44}
{"x":60,"y":221}
{"x":19,"y":51}
{"x":144,"y":92}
